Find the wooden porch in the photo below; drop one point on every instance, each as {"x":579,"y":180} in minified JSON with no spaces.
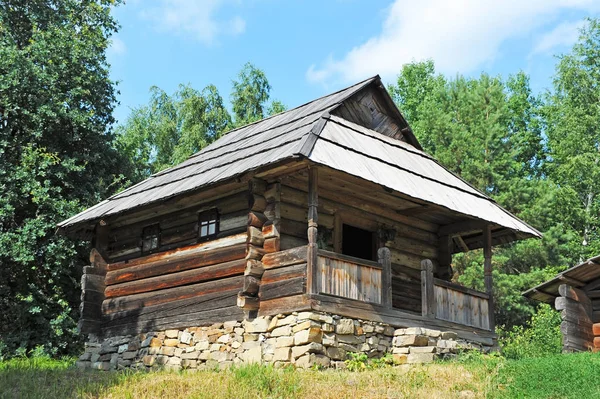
{"x":360,"y":288}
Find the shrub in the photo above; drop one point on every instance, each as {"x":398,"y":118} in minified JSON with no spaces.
{"x":540,"y":337}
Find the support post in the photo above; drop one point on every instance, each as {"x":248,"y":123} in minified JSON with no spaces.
{"x":487,"y":272}
{"x":384,"y":258}
{"x":313,"y":219}
{"x":427,"y":297}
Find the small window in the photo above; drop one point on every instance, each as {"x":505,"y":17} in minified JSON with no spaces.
{"x":358,"y":242}
{"x":208,"y":224}
{"x":150,"y":238}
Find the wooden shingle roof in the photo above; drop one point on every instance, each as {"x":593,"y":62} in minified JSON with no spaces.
{"x":337,"y":131}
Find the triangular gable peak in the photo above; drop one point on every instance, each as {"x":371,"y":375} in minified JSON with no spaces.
{"x":373,"y":108}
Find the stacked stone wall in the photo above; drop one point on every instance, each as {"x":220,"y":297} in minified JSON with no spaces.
{"x":302,"y":339}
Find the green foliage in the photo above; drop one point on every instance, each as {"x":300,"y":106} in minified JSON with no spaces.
{"x":249,"y":95}
{"x":539,"y":337}
{"x":559,"y":376}
{"x":171,"y":128}
{"x":536,"y":156}
{"x":360,"y":362}
{"x":56,"y":158}
{"x":266,"y":379}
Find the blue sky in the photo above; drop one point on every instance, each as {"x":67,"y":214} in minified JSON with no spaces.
{"x":310,"y":48}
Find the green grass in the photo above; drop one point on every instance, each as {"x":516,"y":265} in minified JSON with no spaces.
{"x":558,"y":376}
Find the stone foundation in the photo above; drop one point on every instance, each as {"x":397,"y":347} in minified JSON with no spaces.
{"x":302,"y":339}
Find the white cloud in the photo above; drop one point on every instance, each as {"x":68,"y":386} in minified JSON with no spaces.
{"x":195,"y":19}
{"x":564,"y":34}
{"x":459,"y":35}
{"x":117,"y":46}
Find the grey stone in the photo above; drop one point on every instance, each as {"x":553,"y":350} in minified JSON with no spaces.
{"x":185,"y":338}
{"x":282,"y":354}
{"x":411,"y":340}
{"x":336,"y":353}
{"x":282,"y":331}
{"x":345,"y":326}
{"x":307,"y":336}
{"x":421,"y":357}
{"x":312,"y":347}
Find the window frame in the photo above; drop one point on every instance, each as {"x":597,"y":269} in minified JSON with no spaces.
{"x":151,"y":232}
{"x":209,"y":217}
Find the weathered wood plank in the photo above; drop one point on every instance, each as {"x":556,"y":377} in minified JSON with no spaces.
{"x":192,"y":260}
{"x":170,"y":294}
{"x":284,"y":258}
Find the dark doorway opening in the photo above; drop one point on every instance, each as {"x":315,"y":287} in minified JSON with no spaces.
{"x":358,"y":242}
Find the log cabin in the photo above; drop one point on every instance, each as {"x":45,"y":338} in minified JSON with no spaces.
{"x":331,"y":207}
{"x":575,"y":292}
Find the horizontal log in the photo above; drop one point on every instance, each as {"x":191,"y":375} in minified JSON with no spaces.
{"x":295,"y":303}
{"x":180,"y":252}
{"x":170,"y":294}
{"x":284,"y":258}
{"x":570,"y":329}
{"x":284,"y":273}
{"x":235,"y":199}
{"x":233,"y":220}
{"x":419,"y":248}
{"x":282,"y":288}
{"x":293,"y":228}
{"x":197,"y":275}
{"x":208,"y":301}
{"x":409,"y":260}
{"x":288,"y":242}
{"x":192,"y":260}
{"x":407,"y":303}
{"x":298,"y":214}
{"x":562,"y":303}
{"x":196,"y":319}
{"x":574,"y":293}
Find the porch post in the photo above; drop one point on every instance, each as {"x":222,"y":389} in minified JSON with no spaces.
{"x":313,"y":217}
{"x":427,"y":295}
{"x":487,"y":272}
{"x":384,"y":258}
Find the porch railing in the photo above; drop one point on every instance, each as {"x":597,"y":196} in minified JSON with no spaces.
{"x":350,"y":277}
{"x":451,"y":302}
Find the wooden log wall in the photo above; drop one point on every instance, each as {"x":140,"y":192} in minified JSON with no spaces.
{"x":179,"y":228}
{"x":187,"y":286}
{"x":576,"y":313}
{"x":592,"y":290}
{"x":92,"y":295}
{"x":342,"y":201}
{"x":183,"y":282}
{"x":284,"y":281}
{"x":257,"y":202}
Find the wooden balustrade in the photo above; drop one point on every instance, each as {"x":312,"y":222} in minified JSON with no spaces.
{"x":349,"y":277}
{"x":451,"y":302}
